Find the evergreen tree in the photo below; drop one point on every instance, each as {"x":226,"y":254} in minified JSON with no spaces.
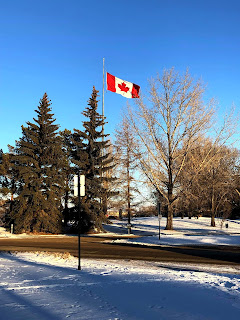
{"x":7,"y":173}
{"x":67,"y":173}
{"x":4,"y":170}
{"x":90,"y":156}
{"x":79,"y":159}
{"x":39,"y":163}
{"x":69,"y":214}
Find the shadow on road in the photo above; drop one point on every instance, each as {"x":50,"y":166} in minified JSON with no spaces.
{"x":184,"y":253}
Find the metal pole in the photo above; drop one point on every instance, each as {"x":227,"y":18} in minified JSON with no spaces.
{"x":79,"y":215}
{"x":102,"y":200}
{"x":159,"y":228}
{"x":128,"y":190}
{"x":103,"y":100}
{"x":159,"y":218}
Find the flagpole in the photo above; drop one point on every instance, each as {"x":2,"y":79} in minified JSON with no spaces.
{"x":103,"y":101}
{"x":102,"y":151}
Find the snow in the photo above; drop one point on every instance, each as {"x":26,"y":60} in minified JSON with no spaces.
{"x":47,"y":286}
{"x":6,"y":234}
{"x":186,"y":231}
{"x":41,"y":285}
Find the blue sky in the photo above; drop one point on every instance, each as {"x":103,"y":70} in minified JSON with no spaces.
{"x":57,"y":47}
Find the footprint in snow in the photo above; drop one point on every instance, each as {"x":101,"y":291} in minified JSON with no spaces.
{"x":229,"y":284}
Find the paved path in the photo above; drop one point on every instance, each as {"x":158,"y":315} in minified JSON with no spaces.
{"x":100,"y":247}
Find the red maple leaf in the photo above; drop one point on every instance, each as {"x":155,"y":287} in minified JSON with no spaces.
{"x":123,"y":87}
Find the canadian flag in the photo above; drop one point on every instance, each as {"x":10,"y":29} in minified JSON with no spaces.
{"x":125,"y":88}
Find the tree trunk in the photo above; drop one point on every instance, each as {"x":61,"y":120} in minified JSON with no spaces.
{"x":213,"y":221}
{"x":128,"y":194}
{"x":104,"y":203}
{"x":213,"y":209}
{"x":169,"y":225}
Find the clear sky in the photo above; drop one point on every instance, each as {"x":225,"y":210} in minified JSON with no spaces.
{"x":57,"y":46}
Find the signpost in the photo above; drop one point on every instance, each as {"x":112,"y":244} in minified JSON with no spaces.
{"x":79,"y":190}
{"x":159,"y":217}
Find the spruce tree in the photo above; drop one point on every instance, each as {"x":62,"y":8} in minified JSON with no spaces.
{"x":4,"y":170}
{"x":7,"y":173}
{"x":69,"y":212}
{"x":90,"y":156}
{"x":39,"y":163}
{"x":79,"y":159}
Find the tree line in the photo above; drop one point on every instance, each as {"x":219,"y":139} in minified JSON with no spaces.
{"x":168,"y":137}
{"x":38,"y":172}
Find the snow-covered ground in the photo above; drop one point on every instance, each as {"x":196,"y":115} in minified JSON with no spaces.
{"x":49,"y":286}
{"x":186,"y":231}
{"x":46,"y":286}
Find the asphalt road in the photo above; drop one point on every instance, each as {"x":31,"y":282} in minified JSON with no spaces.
{"x":96,"y":247}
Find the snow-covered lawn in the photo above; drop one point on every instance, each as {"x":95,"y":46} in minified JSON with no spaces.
{"x":186,"y":231}
{"x":49,"y":286}
{"x":43,"y":286}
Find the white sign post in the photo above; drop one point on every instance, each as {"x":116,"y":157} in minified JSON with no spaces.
{"x":75,"y":185}
{"x":82,"y":185}
{"x":79,"y":191}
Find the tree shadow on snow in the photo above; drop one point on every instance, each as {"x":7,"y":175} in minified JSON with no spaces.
{"x":63,"y":284}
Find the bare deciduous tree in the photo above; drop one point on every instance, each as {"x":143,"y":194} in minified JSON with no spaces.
{"x":210,"y":189}
{"x":126,"y":159}
{"x":165,"y":126}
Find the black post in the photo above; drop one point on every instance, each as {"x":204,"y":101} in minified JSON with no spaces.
{"x":79,"y":215}
{"x":159,"y":229}
{"x":129,"y":222}
{"x":159,"y":217}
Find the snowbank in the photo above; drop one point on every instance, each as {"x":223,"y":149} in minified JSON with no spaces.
{"x":47,"y":286}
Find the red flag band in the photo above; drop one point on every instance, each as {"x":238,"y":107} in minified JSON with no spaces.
{"x":125,"y":88}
